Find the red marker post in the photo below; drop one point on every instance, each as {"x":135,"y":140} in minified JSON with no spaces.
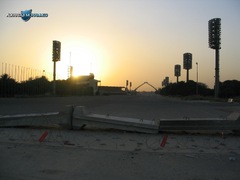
{"x":164,"y":140}
{"x":44,"y":135}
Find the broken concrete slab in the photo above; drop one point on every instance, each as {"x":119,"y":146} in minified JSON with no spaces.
{"x":82,"y":117}
{"x":199,"y":124}
{"x":78,"y":117}
{"x":53,"y":119}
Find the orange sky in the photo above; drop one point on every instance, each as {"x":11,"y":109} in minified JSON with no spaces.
{"x":122,"y":39}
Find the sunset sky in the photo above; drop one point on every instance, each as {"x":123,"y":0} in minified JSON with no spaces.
{"x":119,"y":40}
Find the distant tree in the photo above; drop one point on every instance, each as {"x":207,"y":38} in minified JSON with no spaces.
{"x":230,"y":88}
{"x":186,"y":89}
{"x":41,"y":86}
{"x":7,"y":86}
{"x":38,"y":86}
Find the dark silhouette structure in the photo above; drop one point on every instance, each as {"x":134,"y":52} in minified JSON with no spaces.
{"x":56,"y":53}
{"x":187,"y":63}
{"x":177,"y":71}
{"x":165,"y":82}
{"x":197,"y":79}
{"x":143,"y":84}
{"x":214,"y":41}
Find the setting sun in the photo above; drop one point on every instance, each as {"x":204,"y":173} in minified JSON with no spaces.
{"x":82,"y":60}
{"x":120,"y":40}
{"x":84,"y":57}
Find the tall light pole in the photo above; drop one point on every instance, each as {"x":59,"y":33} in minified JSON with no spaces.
{"x":197,"y":79}
{"x":56,"y":53}
{"x":177,"y":71}
{"x":187,"y":63}
{"x":214,"y":41}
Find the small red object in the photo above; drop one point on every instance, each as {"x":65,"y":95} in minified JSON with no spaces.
{"x":164,"y":140}
{"x":44,"y":135}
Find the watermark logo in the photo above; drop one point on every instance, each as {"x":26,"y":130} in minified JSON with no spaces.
{"x":27,"y":14}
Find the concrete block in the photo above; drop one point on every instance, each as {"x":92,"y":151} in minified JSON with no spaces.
{"x":82,"y":117}
{"x":53,"y":119}
{"x":80,"y":111}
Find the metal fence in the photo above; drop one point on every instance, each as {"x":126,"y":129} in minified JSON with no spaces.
{"x":20,"y":81}
{"x":21,"y":73}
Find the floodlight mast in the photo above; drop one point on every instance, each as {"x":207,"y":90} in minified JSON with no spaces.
{"x":187,"y":63}
{"x":214,"y":41}
{"x":177,"y":71}
{"x":56,"y":54}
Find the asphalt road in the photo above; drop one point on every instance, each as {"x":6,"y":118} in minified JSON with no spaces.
{"x":140,"y":106}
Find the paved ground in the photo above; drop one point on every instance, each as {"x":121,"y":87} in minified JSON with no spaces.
{"x":147,"y":107}
{"x":116,"y":155}
{"x":99,"y":154}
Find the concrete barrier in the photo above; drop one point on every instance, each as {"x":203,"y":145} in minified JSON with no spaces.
{"x":199,"y":125}
{"x":53,"y":119}
{"x":78,"y":117}
{"x":232,"y":123}
{"x":81,"y":118}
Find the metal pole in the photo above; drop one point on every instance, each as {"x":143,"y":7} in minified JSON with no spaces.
{"x":54,"y":78}
{"x":217,"y":74}
{"x":187,"y":75}
{"x":197,"y":80}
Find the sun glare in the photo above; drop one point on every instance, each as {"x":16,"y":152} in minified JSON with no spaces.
{"x":81,"y":61}
{"x":84,"y":59}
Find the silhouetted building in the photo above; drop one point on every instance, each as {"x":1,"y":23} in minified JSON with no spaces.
{"x":165,"y":82}
{"x":111,"y":90}
{"x":89,"y":81}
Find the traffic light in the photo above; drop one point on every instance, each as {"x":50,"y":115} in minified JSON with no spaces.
{"x":56,"y":51}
